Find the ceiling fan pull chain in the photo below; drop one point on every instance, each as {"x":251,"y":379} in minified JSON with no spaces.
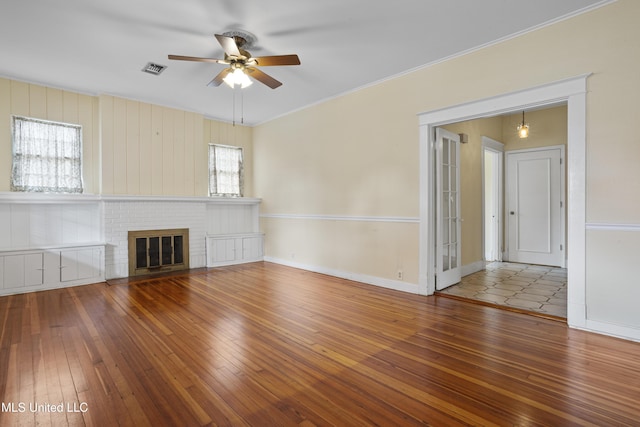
{"x":234,"y":105}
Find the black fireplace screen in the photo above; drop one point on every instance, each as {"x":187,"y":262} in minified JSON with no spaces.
{"x":155,"y":252}
{"x":162,"y":250}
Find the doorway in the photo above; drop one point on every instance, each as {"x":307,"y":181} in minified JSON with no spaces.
{"x":573,"y":93}
{"x":492,"y":198}
{"x":533,"y":281}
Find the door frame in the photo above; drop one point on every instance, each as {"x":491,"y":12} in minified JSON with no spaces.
{"x":495,"y":147}
{"x":563,"y":192}
{"x":573,"y":92}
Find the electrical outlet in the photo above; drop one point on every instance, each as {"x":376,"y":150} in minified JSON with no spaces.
{"x":399,"y":275}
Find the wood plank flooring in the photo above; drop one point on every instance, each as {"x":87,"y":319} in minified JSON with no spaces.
{"x":267,"y":345}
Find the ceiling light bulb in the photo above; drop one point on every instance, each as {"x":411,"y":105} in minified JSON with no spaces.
{"x":244,"y":80}
{"x":237,"y":77}
{"x":523,"y":130}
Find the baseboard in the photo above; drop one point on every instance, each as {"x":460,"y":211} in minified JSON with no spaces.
{"x":356,"y":277}
{"x":474,"y":267}
{"x":50,"y":287}
{"x":610,"y":329}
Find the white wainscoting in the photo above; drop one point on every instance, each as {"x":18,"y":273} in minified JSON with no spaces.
{"x":36,"y":221}
{"x":33,"y":222}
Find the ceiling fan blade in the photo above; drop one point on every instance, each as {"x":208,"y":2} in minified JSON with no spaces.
{"x":197,"y":59}
{"x":228,"y":45}
{"x":263,"y":77}
{"x":264,"y":61}
{"x":217,"y":80}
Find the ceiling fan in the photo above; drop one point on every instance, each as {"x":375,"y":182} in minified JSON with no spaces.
{"x":241,"y":63}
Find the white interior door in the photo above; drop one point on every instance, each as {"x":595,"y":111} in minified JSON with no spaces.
{"x":492,"y":198}
{"x":535,"y":192}
{"x":448,"y":249}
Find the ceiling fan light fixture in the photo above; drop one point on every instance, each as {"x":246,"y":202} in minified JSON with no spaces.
{"x":237,"y":77}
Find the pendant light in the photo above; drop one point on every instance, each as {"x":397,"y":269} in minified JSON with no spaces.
{"x":523,"y":128}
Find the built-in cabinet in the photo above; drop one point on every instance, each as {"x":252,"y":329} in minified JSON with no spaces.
{"x":37,"y":269}
{"x":234,"y":249}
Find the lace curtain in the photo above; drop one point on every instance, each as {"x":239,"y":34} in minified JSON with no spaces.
{"x":46,"y":156}
{"x":225,"y":171}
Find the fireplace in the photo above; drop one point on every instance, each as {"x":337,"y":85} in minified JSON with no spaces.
{"x":158,"y":251}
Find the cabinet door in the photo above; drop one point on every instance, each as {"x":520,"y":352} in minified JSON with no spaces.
{"x":78,"y":264}
{"x":22,"y":270}
{"x":33,"y":269}
{"x":251,"y":248}
{"x":13,"y":271}
{"x":224,"y":250}
{"x":68,"y":265}
{"x":88,"y":263}
{"x":51,"y":263}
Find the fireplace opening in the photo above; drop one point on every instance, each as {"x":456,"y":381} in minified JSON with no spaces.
{"x":155,"y":251}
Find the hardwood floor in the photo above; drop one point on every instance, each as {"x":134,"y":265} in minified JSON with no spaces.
{"x":267,"y":345}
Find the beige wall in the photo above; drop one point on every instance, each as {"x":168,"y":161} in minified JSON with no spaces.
{"x":358,"y":154}
{"x":30,"y":100}
{"x":129,"y":147}
{"x":547,"y":127}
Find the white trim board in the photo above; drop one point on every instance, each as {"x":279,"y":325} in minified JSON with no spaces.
{"x":343,"y":218}
{"x":571,"y":91}
{"x":612,"y":226}
{"x":356,"y":277}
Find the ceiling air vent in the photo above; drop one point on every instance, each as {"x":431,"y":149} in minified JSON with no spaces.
{"x":154,"y":69}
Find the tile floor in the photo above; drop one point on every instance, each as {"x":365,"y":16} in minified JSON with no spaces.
{"x":534,"y":288}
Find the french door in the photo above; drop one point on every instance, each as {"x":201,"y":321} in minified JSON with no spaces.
{"x":448,"y":248}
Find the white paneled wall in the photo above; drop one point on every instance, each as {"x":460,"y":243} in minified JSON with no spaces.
{"x":232,"y":218}
{"x":41,"y":224}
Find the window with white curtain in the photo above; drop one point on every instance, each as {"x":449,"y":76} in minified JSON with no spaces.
{"x":46,"y":156}
{"x":225,"y":171}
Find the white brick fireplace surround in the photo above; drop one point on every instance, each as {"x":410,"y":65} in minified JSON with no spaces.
{"x":202,"y":216}
{"x":30,"y":222}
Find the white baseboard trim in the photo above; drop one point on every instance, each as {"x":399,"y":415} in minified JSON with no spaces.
{"x":356,"y":277}
{"x":474,"y":267}
{"x":610,"y":329}
{"x":50,"y":287}
{"x":612,"y":227}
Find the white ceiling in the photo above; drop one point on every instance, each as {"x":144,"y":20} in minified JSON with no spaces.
{"x":100,"y":46}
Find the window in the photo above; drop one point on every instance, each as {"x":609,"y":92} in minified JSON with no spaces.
{"x":225,"y":171}
{"x":46,"y":156}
